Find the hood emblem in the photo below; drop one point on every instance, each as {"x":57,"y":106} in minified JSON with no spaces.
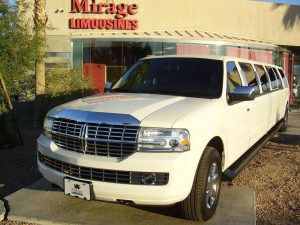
{"x":77,"y":186}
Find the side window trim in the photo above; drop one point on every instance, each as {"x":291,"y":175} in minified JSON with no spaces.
{"x":257,"y":79}
{"x":244,"y":79}
{"x":276,"y":71}
{"x":280,"y":79}
{"x":238,"y":70}
{"x":241,"y":72}
{"x":239,"y":75}
{"x":276,"y":77}
{"x":283,"y":77}
{"x":268,"y":83}
{"x":268,"y":77}
{"x":273,"y":89}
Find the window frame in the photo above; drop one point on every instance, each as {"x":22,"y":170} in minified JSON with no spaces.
{"x":283,"y":77}
{"x":238,"y":70}
{"x":279,"y":79}
{"x":273,"y":89}
{"x":243,"y":82}
{"x":255,"y":74}
{"x":267,"y":76}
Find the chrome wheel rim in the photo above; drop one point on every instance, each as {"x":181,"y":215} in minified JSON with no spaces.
{"x":212,"y":186}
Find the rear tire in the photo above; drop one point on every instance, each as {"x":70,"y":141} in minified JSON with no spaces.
{"x":201,"y":203}
{"x":285,"y":121}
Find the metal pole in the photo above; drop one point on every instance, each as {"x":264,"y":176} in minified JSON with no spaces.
{"x":11,"y":109}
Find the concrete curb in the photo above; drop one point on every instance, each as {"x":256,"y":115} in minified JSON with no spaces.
{"x":2,"y":211}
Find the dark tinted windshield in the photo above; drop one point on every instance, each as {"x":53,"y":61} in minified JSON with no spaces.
{"x":191,"y":77}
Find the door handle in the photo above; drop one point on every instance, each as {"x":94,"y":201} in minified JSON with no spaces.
{"x":248,"y":109}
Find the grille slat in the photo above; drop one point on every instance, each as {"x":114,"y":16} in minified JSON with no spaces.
{"x":112,"y":176}
{"x":95,"y":139}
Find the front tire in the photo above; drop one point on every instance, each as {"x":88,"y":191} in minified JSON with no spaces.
{"x":202,"y":202}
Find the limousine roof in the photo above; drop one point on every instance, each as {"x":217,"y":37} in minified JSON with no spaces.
{"x":222,"y":58}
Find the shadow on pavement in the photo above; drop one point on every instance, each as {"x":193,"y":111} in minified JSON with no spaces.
{"x":171,"y":211}
{"x":282,"y":138}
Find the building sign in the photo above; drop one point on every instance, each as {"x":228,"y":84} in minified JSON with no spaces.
{"x":121,"y":13}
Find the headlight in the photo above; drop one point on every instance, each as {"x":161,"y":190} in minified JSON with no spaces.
{"x":48,"y":124}
{"x":160,"y":139}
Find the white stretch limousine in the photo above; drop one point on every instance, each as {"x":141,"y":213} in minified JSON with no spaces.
{"x":167,"y":132}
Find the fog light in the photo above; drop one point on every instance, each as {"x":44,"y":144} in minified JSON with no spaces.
{"x":174,"y":143}
{"x":149,"y":178}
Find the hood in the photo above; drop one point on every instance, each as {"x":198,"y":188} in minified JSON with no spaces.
{"x":150,"y":109}
{"x":136,"y":105}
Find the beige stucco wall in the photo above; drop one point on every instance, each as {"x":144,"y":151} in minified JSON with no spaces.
{"x":245,"y":18}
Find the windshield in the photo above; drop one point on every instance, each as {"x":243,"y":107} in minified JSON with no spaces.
{"x":191,"y":77}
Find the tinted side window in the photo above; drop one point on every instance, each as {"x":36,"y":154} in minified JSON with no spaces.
{"x":285,"y":81}
{"x":233,"y":77}
{"x":263,"y":78}
{"x":280,"y":84}
{"x":250,"y":76}
{"x":274,"y":82}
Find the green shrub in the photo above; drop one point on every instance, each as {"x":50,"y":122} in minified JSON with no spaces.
{"x":18,"y":45}
{"x":18,"y":48}
{"x":3,"y":108}
{"x":62,"y":81}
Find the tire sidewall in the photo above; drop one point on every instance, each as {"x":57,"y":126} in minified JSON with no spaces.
{"x":285,"y":123}
{"x":286,"y":118}
{"x":213,"y":157}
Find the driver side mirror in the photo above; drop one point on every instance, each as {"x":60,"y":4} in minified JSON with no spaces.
{"x":242,"y":93}
{"x":108,"y":86}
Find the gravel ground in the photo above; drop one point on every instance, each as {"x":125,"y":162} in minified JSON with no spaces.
{"x":274,"y":175}
{"x":15,"y":223}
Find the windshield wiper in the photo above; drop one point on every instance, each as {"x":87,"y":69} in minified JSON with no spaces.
{"x":124,"y":90}
{"x":162,"y":92}
{"x":178,"y":93}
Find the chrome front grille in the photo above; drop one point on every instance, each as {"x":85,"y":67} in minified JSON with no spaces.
{"x":95,"y":138}
{"x":95,"y":174}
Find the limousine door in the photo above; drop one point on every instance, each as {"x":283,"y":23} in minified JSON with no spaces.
{"x":275,"y":99}
{"x":260,"y":106}
{"x":239,"y":130}
{"x":238,"y":117}
{"x":261,"y":112}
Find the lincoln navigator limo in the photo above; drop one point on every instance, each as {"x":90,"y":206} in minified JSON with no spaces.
{"x":168,"y":131}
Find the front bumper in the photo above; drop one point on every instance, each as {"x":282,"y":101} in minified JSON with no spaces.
{"x":180,"y":166}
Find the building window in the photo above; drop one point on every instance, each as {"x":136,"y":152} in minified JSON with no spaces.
{"x":58,"y":54}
